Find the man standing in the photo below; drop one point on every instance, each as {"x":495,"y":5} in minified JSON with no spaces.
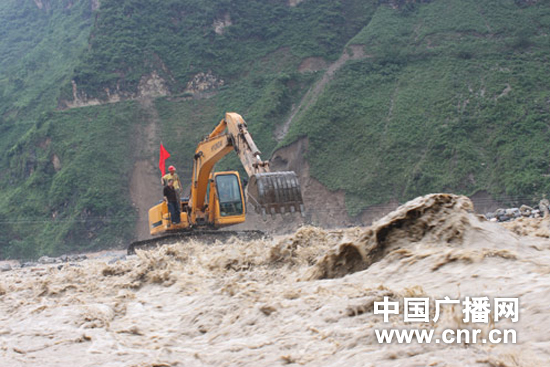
{"x":173,"y":176}
{"x":171,"y":198}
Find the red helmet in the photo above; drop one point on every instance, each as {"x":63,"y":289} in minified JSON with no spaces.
{"x":171,"y":168}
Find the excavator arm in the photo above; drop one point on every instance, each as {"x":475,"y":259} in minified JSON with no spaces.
{"x":269,"y":192}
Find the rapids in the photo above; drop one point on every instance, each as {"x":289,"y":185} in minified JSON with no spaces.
{"x":303,"y":299}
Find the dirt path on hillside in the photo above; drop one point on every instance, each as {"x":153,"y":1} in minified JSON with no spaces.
{"x":357,"y":52}
{"x":144,"y":183}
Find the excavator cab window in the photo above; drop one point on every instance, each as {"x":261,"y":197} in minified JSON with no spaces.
{"x":229,"y":195}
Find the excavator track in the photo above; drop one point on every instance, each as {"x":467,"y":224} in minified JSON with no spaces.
{"x":206,"y":236}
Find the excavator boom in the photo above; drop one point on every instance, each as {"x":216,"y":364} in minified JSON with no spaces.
{"x":268,"y":192}
{"x":216,"y":198}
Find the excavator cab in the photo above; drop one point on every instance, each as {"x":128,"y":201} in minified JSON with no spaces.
{"x":228,"y":201}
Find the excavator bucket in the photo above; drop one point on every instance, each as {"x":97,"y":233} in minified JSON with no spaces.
{"x":275,"y":192}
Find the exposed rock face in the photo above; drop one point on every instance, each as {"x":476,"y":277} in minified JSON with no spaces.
{"x":43,"y":4}
{"x":398,"y":4}
{"x":46,"y":5}
{"x":56,"y":163}
{"x":81,"y":99}
{"x":312,"y":64}
{"x":95,"y":5}
{"x":221,"y":23}
{"x":294,"y":2}
{"x":151,"y":85}
{"x":203,"y":82}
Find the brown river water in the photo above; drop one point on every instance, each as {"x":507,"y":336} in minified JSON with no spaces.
{"x":303,"y":299}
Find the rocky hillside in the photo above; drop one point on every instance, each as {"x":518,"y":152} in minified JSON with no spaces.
{"x":374,"y":102}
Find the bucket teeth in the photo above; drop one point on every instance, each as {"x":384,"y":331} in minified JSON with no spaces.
{"x":275,"y":192}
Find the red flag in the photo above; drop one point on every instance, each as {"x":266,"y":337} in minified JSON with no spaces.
{"x":164,"y":155}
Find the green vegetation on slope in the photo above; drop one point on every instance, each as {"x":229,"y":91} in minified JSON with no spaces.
{"x":256,"y":56}
{"x":70,"y":178}
{"x":38,"y":50}
{"x":451,"y":97}
{"x":454,"y":98}
{"x":177,"y":39}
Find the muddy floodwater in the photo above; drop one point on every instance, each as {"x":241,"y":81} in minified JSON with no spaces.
{"x":304,"y":299}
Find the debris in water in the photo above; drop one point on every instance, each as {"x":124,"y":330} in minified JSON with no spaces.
{"x":307,"y":298}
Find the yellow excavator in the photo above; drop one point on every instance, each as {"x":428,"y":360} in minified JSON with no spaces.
{"x":217,"y":199}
